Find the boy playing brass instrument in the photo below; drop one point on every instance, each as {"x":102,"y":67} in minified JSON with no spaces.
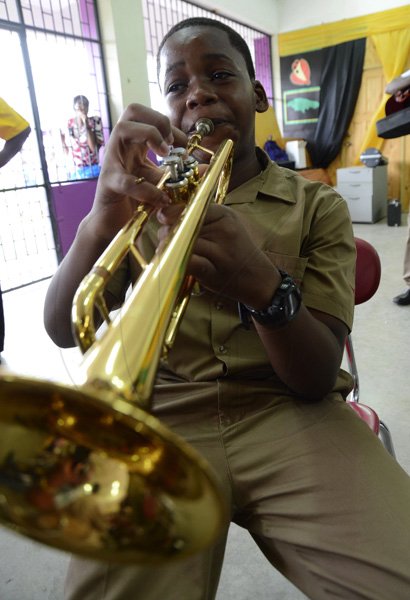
{"x":262,"y":398}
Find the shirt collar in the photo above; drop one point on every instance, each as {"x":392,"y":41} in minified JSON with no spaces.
{"x":272,"y":182}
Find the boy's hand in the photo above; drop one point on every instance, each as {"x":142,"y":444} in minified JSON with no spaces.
{"x":119,"y":188}
{"x":226,"y":260}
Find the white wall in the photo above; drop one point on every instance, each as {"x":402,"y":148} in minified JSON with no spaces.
{"x":277,"y":16}
{"x":260,"y":14}
{"x":298,"y":14}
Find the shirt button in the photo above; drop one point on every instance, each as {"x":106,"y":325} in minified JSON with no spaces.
{"x":222,"y":349}
{"x":219,"y":306}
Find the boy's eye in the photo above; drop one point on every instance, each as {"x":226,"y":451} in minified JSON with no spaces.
{"x":175,"y":87}
{"x":179,"y":86}
{"x":221,"y":75}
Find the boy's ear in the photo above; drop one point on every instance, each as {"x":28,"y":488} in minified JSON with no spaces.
{"x":262,"y":103}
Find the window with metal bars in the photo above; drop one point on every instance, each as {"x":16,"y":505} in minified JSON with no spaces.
{"x":51,"y":52}
{"x":59,"y":58}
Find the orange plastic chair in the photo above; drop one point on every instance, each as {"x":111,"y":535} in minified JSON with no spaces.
{"x":368,"y":273}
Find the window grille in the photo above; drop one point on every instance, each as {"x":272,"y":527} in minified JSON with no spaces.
{"x":54,"y":53}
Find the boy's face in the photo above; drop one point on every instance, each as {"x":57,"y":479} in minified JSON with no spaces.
{"x":203,"y":75}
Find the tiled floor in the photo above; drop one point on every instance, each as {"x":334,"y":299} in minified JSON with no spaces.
{"x":29,"y":571}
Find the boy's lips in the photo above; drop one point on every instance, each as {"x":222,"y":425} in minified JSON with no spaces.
{"x":216,"y":121}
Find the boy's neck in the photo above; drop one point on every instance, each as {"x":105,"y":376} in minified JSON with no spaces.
{"x":243,"y":170}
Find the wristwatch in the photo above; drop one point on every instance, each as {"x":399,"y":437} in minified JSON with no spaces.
{"x":284,"y":306}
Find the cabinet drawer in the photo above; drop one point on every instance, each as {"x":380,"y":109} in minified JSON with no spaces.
{"x":361,"y":210}
{"x":355,"y":175}
{"x":355,"y":188}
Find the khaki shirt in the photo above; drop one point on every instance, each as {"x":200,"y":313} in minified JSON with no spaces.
{"x":305,"y":229}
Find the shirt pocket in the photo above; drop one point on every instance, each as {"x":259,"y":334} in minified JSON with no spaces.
{"x":295,"y":266}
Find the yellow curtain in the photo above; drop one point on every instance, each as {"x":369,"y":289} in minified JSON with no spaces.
{"x":393,"y":48}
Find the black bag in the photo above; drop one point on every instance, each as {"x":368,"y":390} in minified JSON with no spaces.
{"x":394,"y":213}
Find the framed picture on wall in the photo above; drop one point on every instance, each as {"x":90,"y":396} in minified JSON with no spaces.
{"x":300,"y":79}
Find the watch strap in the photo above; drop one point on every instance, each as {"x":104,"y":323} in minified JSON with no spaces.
{"x":283,"y":308}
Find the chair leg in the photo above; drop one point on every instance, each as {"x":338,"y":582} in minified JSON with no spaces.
{"x":351,"y":360}
{"x":386,"y":439}
{"x":383,"y":432}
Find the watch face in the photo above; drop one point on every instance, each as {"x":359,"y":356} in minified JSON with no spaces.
{"x":284,"y":306}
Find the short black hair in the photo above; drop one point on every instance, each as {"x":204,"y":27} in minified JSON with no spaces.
{"x":235,"y":38}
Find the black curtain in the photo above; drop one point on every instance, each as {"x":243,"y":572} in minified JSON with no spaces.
{"x":339,"y":87}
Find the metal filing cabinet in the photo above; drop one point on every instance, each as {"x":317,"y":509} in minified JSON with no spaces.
{"x":365,"y":191}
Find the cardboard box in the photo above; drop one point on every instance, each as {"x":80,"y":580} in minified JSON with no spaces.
{"x":296,"y":150}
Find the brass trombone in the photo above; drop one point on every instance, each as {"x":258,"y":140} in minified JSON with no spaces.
{"x":88,"y":469}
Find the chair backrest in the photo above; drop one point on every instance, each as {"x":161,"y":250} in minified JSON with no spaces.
{"x":368,"y":271}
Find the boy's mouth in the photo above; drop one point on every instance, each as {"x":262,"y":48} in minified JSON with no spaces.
{"x":216,"y":122}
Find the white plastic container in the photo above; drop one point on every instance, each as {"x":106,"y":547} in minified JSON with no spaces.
{"x":296,"y":150}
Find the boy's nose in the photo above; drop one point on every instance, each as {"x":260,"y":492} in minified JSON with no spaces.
{"x":201,"y":93}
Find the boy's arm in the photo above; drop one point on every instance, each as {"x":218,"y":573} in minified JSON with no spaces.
{"x":12,"y":146}
{"x":306,"y":353}
{"x":84,"y":252}
{"x":118,"y":194}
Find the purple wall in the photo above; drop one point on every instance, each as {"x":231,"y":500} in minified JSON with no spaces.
{"x":71,"y":202}
{"x":263,"y":67}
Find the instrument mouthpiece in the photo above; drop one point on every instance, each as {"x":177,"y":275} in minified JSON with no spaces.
{"x":204,"y":127}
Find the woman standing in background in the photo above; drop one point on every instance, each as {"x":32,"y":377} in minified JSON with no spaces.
{"x":86,"y":136}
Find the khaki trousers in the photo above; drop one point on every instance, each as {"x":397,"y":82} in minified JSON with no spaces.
{"x":323,"y":500}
